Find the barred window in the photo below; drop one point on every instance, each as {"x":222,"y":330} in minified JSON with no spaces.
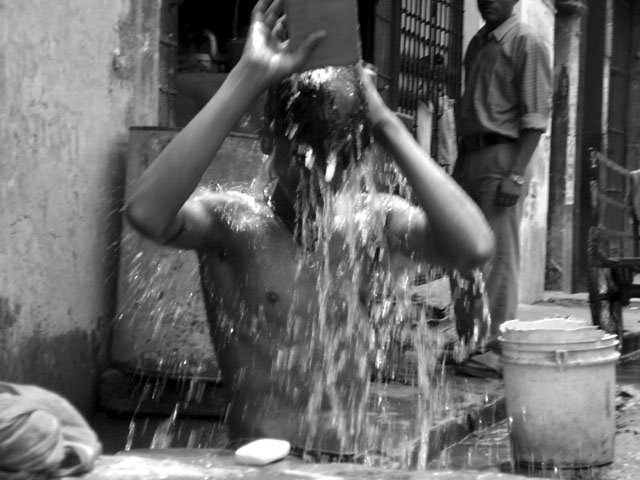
{"x":429,"y":65}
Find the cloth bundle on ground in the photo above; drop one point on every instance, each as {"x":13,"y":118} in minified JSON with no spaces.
{"x":42,"y":435}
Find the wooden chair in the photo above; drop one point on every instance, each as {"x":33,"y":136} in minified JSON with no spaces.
{"x":613,"y":248}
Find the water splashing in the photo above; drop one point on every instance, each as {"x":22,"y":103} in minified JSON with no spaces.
{"x":357,"y":325}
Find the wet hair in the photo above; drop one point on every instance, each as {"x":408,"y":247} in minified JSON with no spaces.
{"x":324,"y":110}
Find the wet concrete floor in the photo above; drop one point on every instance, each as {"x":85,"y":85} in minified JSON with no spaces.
{"x":490,"y":449}
{"x":477,"y":446}
{"x":482,"y":454}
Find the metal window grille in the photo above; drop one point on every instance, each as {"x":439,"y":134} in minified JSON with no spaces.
{"x":429,"y":64}
{"x":168,"y":61}
{"x":430,"y":51}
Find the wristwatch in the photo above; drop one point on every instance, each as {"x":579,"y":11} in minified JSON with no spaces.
{"x":517,"y":179}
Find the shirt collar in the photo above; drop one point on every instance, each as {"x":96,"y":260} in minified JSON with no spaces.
{"x":499,"y":33}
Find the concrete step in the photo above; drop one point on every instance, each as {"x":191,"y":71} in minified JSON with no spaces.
{"x":393,"y":434}
{"x":188,"y":464}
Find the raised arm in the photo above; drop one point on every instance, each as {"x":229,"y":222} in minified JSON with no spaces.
{"x":455,"y":232}
{"x":157,"y":205}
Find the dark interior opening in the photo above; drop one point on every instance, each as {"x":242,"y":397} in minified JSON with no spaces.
{"x":210,"y":41}
{"x":228,"y":22}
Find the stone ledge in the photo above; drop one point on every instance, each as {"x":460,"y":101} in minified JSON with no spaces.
{"x":186,"y":464}
{"x":160,"y":395}
{"x":393,"y":437}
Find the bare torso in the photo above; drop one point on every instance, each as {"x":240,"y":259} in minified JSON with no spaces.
{"x":271,"y":308}
{"x":277,"y":322}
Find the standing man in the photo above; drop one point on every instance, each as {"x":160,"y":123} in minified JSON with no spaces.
{"x":504,"y":111}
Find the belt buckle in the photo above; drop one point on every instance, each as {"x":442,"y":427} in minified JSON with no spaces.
{"x":473,"y":143}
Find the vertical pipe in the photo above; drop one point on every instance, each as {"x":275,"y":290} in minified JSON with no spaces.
{"x":414,"y":56}
{"x":423,"y":46}
{"x":404,"y":55}
{"x":406,"y":64}
{"x":606,"y":72}
{"x":396,"y":27}
{"x":430,"y":41}
{"x":418,"y":40}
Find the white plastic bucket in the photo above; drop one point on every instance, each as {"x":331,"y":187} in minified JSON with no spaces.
{"x":560,"y":402}
{"x":550,"y":330}
{"x":513,"y":347}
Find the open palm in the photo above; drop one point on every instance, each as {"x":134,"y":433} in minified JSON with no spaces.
{"x":267,"y":47}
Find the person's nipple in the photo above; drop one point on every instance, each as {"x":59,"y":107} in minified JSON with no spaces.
{"x":272,"y":297}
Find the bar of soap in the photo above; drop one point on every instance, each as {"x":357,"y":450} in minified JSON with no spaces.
{"x":262,"y":452}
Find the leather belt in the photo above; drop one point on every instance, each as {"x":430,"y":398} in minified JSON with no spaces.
{"x":473,"y":143}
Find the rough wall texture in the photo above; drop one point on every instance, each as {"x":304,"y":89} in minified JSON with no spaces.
{"x":533,"y":232}
{"x":70,"y":85}
{"x":565,"y":167}
{"x":633,"y":126}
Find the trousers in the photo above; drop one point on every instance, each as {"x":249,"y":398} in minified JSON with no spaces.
{"x":479,"y":173}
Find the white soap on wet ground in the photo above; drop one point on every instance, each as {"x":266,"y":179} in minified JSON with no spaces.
{"x":262,"y":452}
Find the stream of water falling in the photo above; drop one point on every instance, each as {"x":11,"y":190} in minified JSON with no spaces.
{"x":352,"y":340}
{"x":369,"y":339}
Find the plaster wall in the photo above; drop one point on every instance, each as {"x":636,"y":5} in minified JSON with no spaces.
{"x":472,"y":21}
{"x":633,"y":125}
{"x":565,"y":165}
{"x":71,"y":83}
{"x":539,"y":14}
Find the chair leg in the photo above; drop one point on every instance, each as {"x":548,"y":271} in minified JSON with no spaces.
{"x":619,"y":284}
{"x":615,"y":316}
{"x":598,"y":293}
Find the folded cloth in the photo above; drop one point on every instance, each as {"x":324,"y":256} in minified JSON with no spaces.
{"x":42,"y":434}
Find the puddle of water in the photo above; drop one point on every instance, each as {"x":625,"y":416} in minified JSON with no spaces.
{"x":490,"y":449}
{"x":628,"y":373}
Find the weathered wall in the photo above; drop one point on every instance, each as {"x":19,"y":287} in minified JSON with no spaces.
{"x":540,"y":14}
{"x":71,"y":83}
{"x":633,"y":125}
{"x":565,"y":165}
{"x":472,"y":22}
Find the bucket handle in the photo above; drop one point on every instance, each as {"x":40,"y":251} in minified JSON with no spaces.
{"x":561,"y":356}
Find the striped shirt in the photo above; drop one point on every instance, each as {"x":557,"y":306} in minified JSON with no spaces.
{"x":509,"y":85}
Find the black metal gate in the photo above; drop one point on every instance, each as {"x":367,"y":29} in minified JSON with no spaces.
{"x":430,"y":56}
{"x":418,"y":52}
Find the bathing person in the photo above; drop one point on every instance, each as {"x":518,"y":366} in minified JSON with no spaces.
{"x":281,"y":289}
{"x":504,"y":111}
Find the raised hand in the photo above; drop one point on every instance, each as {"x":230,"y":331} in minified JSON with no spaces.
{"x":267,"y":48}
